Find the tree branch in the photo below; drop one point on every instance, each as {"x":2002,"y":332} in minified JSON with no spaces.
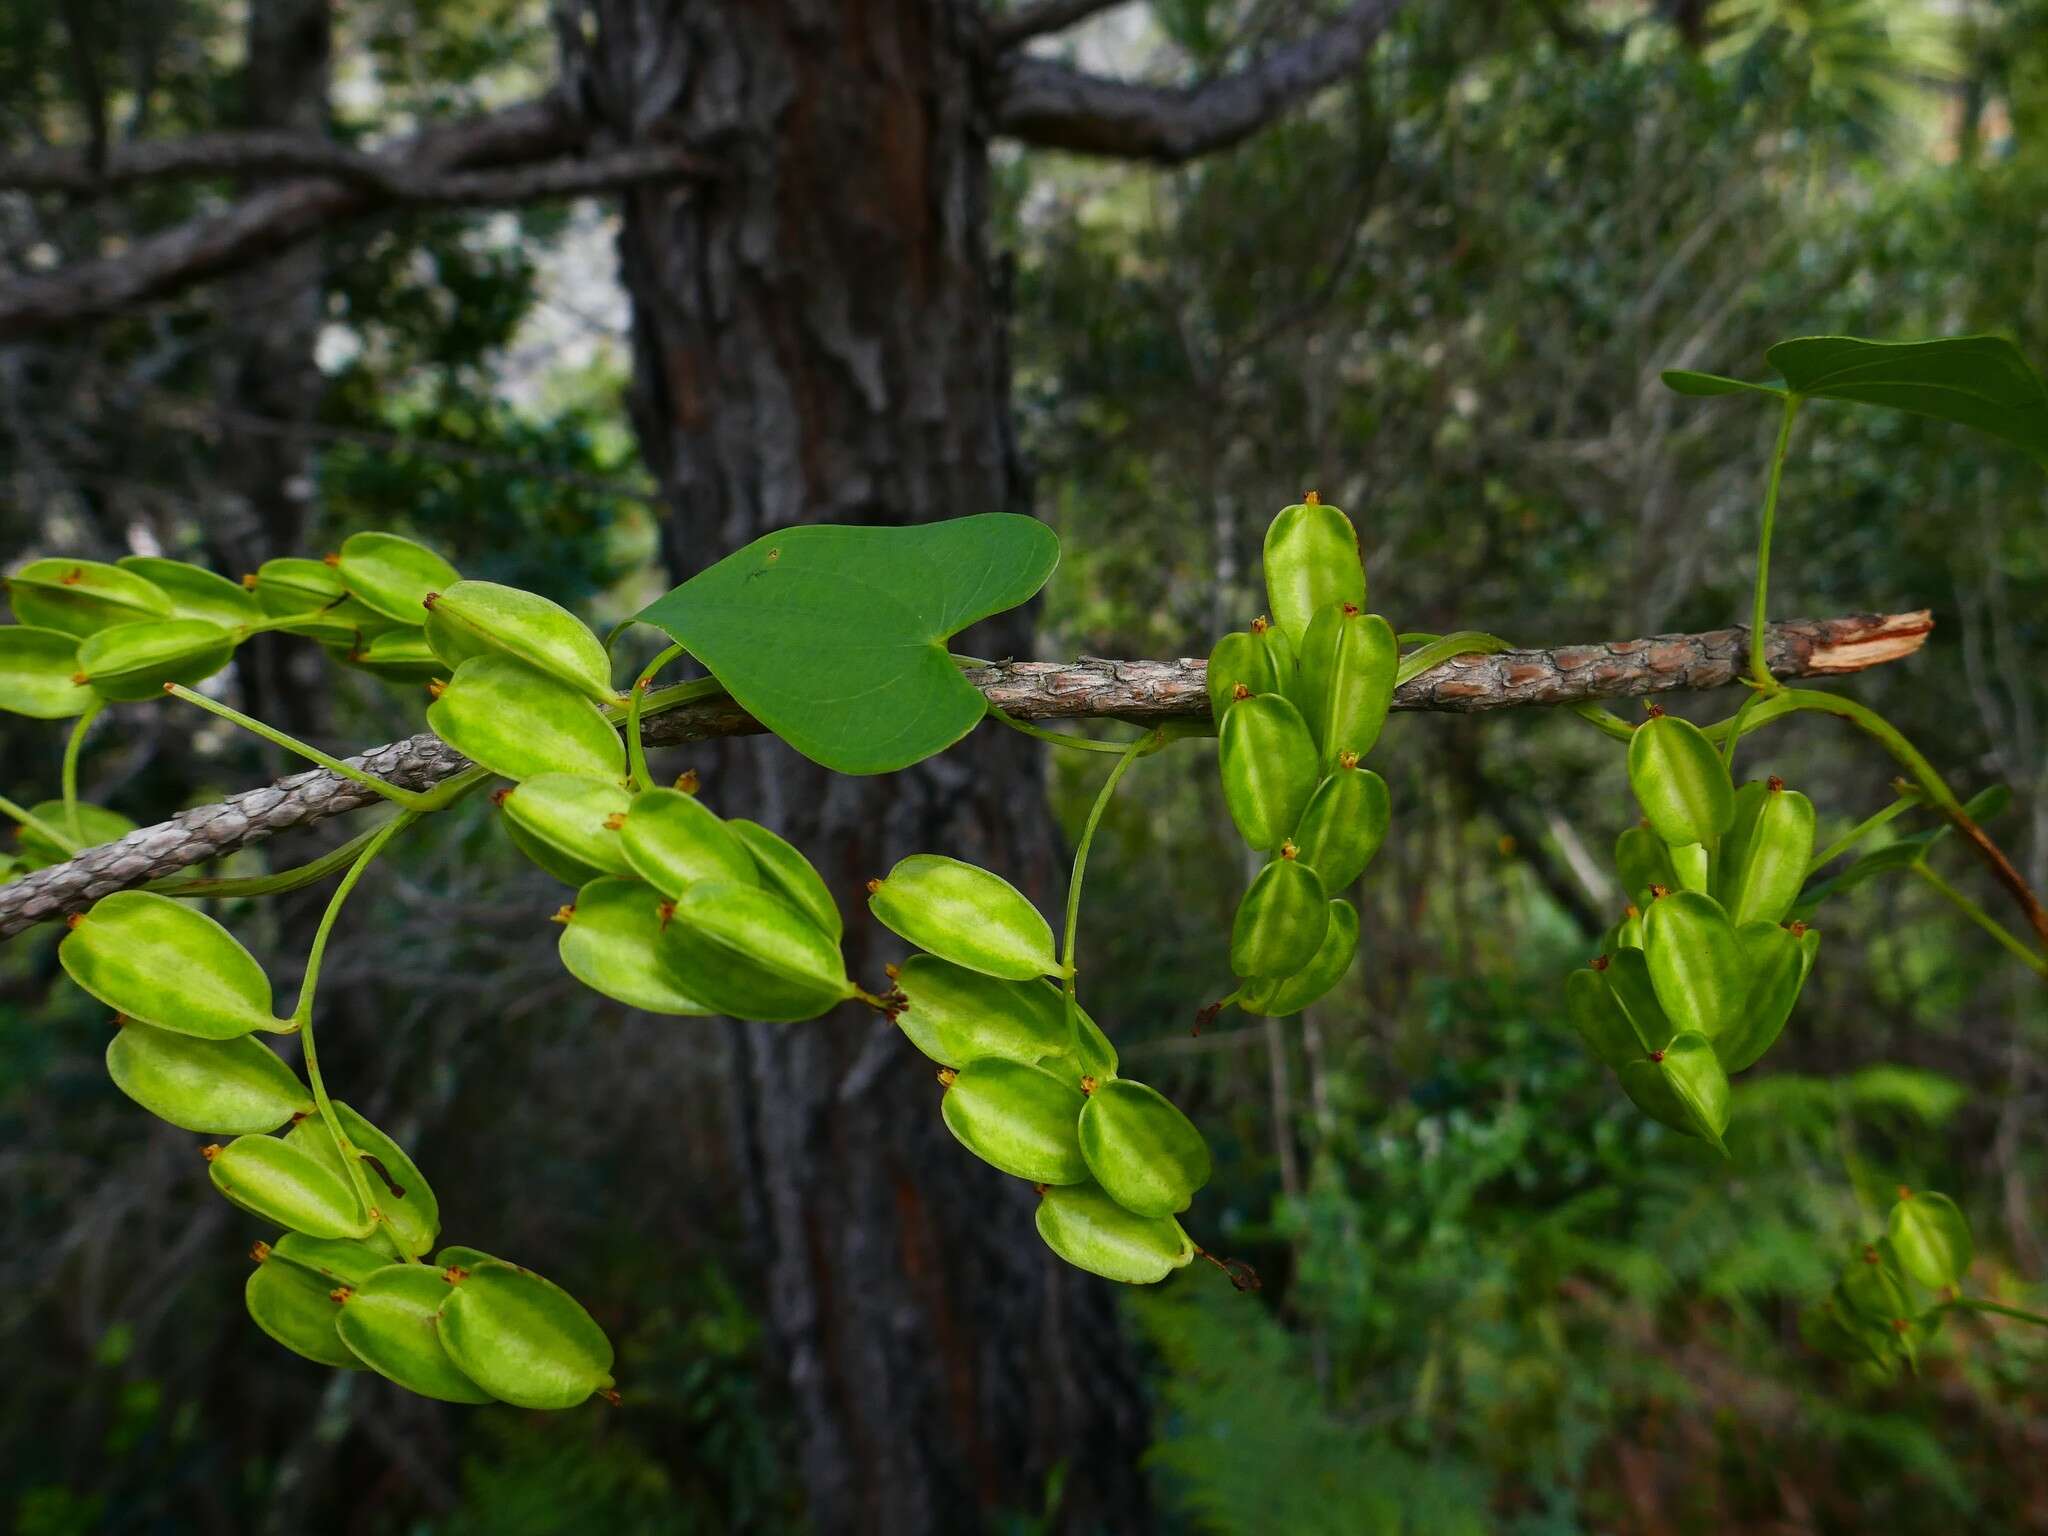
{"x":1056,"y":106}
{"x":503,"y":158}
{"x":1137,"y":691}
{"x":1036,"y":18}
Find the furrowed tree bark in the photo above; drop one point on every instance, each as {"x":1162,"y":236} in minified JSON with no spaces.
{"x":818,"y":338}
{"x":1140,"y":692}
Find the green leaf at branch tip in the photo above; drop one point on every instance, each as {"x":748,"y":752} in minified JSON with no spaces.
{"x":1976,"y":381}
{"x":1686,"y":381}
{"x":834,"y":637}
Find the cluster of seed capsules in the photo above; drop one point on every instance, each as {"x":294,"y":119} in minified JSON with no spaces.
{"x":1697,"y":980}
{"x":1030,"y":1081}
{"x":1891,"y":1296}
{"x":347,"y":1283}
{"x":1299,"y":699}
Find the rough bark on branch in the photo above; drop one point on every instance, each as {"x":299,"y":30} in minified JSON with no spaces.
{"x":1056,"y":106}
{"x":518,"y":155}
{"x":1140,"y":691}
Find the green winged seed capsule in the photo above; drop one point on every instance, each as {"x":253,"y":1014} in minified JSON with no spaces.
{"x":612,"y":943}
{"x":38,"y":670}
{"x":1764,"y":856}
{"x":1644,"y":1083}
{"x":569,"y":871}
{"x":1280,"y":921}
{"x":157,"y":961}
{"x":1930,"y":1239}
{"x":1239,"y":662}
{"x":391,"y":1323}
{"x":1281,"y":661}
{"x":964,"y":914}
{"x":578,"y":816}
{"x":1777,"y":961}
{"x":284,"y":1185}
{"x":1269,"y":767}
{"x":746,"y":952}
{"x":783,"y":869}
{"x":1144,"y":1153}
{"x":224,"y":1087}
{"x":132,"y":662}
{"x":1277,"y":997}
{"x":1696,"y":962}
{"x":392,"y":576}
{"x":337,"y":1260}
{"x":1348,"y":659}
{"x":957,"y":1016}
{"x":1311,"y":561}
{"x":397,"y":656}
{"x":1690,"y":864}
{"x":457,"y":1257}
{"x":1697,"y":1081}
{"x":518,"y":722}
{"x":1599,"y":1020}
{"x":82,"y":597}
{"x":1020,"y":1119}
{"x":524,"y":1339}
{"x":195,"y":592}
{"x":1642,"y":859}
{"x":480,"y":618}
{"x":1344,"y":824}
{"x":1628,"y":982}
{"x":672,"y":840}
{"x":1680,"y":781}
{"x":311,"y":592}
{"x":1091,"y":1231}
{"x":298,"y":1308}
{"x":398,"y":1189}
{"x":1872,"y":1288}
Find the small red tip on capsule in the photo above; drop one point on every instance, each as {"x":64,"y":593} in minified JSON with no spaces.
{"x":1087,"y":1084}
{"x":1659,"y":890}
{"x":1289,"y":851}
{"x":249,"y":582}
{"x":1311,"y":499}
{"x":616,"y":820}
{"x":455,"y":1274}
{"x":503,"y":793}
{"x":429,"y":600}
{"x":436,"y":686}
{"x":564,"y":913}
{"x":1352,"y":610}
{"x":1656,"y":1055}
{"x":1347,"y":758}
{"x":1261,"y":624}
{"x":946,"y":1076}
{"x":892,"y":970}
{"x":259,"y":1252}
{"x":79,"y":680}
{"x":331,"y":559}
{"x":874,"y":886}
{"x":210,"y":1151}
{"x":687,"y":781}
{"x":1655,"y":711}
{"x":1600,"y":962}
{"x":1239,"y":691}
{"x":340,"y":1294}
{"x":73,"y":919}
{"x":666,"y":912}
{"x":1796,"y":929}
{"x":1905,"y":1192}
{"x":610,"y":1395}
{"x":1777,"y":784}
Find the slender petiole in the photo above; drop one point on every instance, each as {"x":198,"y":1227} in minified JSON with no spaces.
{"x":636,"y":749}
{"x":1058,"y":739}
{"x":36,"y":824}
{"x":72,"y":750}
{"x":411,"y":799}
{"x":1151,"y":741}
{"x":1758,"y":667}
{"x":1972,"y":1304}
{"x":302,"y":1015}
{"x":1976,"y":914}
{"x":1859,"y":832}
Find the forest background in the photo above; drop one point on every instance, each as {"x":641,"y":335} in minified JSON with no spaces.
{"x":1440,"y":292}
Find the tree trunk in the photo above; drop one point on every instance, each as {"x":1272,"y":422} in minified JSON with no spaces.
{"x":818,"y":337}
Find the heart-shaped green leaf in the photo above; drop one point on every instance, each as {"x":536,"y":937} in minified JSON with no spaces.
{"x":1975,"y":381}
{"x":835,"y":637}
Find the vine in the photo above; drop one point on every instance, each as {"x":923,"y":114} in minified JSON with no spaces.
{"x":680,"y":911}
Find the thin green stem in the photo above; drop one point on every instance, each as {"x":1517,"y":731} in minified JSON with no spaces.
{"x":302,"y":1015}
{"x":36,"y":824}
{"x":1151,"y":741}
{"x":636,"y":750}
{"x":1858,"y":833}
{"x":1871,"y":723}
{"x":674,"y":696}
{"x":1078,"y":743}
{"x":1735,"y":723}
{"x":1440,"y":649}
{"x":72,"y":750}
{"x":1972,"y":1304}
{"x":1757,"y":666}
{"x":2027,"y":956}
{"x":411,"y":799}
